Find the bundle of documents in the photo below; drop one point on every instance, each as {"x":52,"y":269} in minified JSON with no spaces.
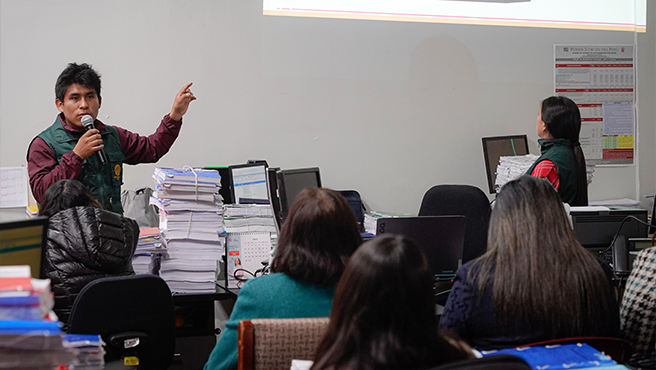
{"x":248,"y":217}
{"x":191,"y":221}
{"x":512,"y":167}
{"x":23,"y":298}
{"x":90,"y":352}
{"x":30,"y":335}
{"x":151,"y":245}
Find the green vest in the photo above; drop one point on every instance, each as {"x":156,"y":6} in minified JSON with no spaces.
{"x":561,"y":152}
{"x":103,"y":181}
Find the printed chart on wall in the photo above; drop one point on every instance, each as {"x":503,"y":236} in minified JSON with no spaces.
{"x":601,"y":80}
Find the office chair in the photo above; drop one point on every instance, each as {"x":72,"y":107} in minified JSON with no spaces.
{"x":274,"y":343}
{"x":133,"y":315}
{"x":467,"y":200}
{"x":495,"y":362}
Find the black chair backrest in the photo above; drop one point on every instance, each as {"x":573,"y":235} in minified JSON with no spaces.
{"x":124,"y":307}
{"x":467,"y":200}
{"x":495,"y":362}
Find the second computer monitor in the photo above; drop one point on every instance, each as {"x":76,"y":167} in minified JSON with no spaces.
{"x":291,"y":183}
{"x":248,"y":181}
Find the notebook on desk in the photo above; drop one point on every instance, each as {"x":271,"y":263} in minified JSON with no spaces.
{"x":441,"y":238}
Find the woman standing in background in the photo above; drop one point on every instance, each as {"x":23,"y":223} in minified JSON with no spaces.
{"x":562,"y":162}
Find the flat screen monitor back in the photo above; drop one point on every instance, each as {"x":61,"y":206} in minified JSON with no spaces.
{"x":248,"y":181}
{"x":23,"y":243}
{"x":272,"y":186}
{"x":291,"y":183}
{"x":442,"y":238}
{"x":498,"y":146}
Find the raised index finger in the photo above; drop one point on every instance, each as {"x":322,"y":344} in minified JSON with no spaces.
{"x":185,"y":89}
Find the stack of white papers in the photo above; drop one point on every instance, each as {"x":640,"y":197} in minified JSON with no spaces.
{"x":512,"y":167}
{"x":91,"y":355}
{"x":191,"y":221}
{"x":150,"y":247}
{"x":30,"y":335}
{"x":239,"y":218}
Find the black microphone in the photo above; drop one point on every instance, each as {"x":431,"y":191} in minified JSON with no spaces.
{"x":87,"y":122}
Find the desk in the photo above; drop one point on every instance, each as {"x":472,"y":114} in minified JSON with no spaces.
{"x":195,"y":333}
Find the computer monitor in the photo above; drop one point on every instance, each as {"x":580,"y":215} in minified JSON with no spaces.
{"x":498,"y":146}
{"x":272,"y":186}
{"x":225,"y":190}
{"x":291,"y":183}
{"x":248,"y":181}
{"x":441,"y":238}
{"x":23,"y":243}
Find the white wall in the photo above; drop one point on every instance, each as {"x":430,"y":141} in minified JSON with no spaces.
{"x":387,"y":108}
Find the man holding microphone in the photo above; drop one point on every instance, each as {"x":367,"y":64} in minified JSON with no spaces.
{"x":67,"y":149}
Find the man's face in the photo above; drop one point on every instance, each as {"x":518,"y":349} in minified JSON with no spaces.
{"x":78,"y":101}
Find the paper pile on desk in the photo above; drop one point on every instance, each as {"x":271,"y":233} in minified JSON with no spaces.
{"x":91,"y":355}
{"x":191,"y":221}
{"x":512,"y":167}
{"x":150,"y":247}
{"x":30,"y":335}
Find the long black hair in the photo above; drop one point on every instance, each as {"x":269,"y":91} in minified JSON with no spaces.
{"x":543,"y":280}
{"x":563,"y":120}
{"x":65,"y":194}
{"x":383,"y":314}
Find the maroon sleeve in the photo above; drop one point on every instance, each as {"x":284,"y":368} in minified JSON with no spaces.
{"x":44,"y":170}
{"x":149,"y":149}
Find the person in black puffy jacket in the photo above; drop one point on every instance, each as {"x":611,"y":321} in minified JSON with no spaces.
{"x":85,"y":242}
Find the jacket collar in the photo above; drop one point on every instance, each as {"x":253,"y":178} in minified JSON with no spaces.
{"x":546,"y":144}
{"x":99,"y":125}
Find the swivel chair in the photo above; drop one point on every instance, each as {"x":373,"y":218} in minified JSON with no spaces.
{"x":133,"y":315}
{"x":467,"y":200}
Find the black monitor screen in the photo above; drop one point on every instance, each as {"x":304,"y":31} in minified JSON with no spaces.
{"x":292,"y":182}
{"x":22,"y":242}
{"x":501,"y":146}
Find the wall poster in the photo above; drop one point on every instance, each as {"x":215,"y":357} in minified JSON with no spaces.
{"x":601,"y":80}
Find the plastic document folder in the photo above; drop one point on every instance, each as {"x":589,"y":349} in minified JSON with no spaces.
{"x":562,"y":356}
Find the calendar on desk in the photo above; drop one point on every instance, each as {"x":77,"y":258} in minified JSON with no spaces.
{"x":246,"y":252}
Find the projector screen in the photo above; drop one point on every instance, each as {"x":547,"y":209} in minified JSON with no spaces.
{"x":614,"y":15}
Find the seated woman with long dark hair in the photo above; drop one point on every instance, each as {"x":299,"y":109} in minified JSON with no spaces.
{"x":85,"y":242}
{"x":318,"y":237}
{"x":535,"y":282}
{"x":383,"y":315}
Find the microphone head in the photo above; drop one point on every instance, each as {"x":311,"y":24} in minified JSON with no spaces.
{"x":87,"y":121}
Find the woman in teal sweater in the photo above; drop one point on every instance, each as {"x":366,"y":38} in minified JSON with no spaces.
{"x":316,"y":241}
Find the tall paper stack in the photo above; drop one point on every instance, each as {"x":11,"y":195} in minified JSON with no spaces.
{"x":191,"y":221}
{"x":30,"y":336}
{"x":512,"y":167}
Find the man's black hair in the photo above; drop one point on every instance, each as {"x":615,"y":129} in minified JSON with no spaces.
{"x":74,"y":73}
